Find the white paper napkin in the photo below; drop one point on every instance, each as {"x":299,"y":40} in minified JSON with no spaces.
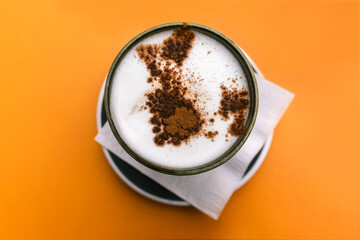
{"x":210,"y":191}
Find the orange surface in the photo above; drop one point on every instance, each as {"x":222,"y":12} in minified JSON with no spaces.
{"x":55,"y":182}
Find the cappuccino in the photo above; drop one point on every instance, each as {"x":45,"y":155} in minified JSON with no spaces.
{"x":179,"y":98}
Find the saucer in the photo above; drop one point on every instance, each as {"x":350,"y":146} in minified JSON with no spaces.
{"x":148,"y":187}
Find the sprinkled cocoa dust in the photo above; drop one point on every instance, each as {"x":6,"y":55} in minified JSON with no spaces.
{"x":234,"y":102}
{"x":174,"y":116}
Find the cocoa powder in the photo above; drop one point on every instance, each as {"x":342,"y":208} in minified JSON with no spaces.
{"x":234,"y":102}
{"x":174,"y":117}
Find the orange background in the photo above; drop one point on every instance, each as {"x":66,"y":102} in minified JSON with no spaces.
{"x":55,"y":182}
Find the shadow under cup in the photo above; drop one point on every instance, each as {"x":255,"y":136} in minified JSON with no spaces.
{"x":252,"y":89}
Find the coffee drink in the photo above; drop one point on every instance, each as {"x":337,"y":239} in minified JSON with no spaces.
{"x":179,"y":98}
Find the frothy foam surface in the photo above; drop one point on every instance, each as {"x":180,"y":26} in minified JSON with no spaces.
{"x":208,"y":66}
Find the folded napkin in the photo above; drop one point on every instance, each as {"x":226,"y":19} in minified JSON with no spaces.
{"x":210,"y":191}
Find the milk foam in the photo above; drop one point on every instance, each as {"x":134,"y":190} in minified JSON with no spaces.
{"x":211,"y":65}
